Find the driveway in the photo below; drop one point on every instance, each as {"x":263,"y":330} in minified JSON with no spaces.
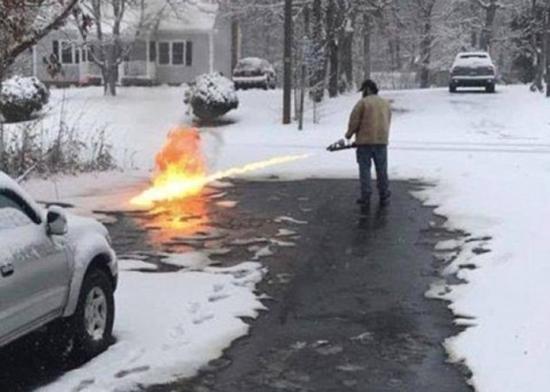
{"x":348,"y":310}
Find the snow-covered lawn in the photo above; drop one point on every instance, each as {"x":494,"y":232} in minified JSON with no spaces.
{"x":488,"y":157}
{"x":168,"y":325}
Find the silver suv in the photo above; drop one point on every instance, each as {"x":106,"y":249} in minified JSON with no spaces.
{"x":473,"y":69}
{"x":55,"y":269}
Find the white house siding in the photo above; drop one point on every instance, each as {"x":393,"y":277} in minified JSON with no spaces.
{"x":178,"y":74}
{"x":211,"y":52}
{"x":71,"y":73}
{"x":222,"y":46}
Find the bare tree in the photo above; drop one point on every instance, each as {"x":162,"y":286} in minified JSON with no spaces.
{"x":115,"y":26}
{"x":22,"y":24}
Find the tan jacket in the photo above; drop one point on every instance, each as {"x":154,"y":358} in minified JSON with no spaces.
{"x":370,"y":121}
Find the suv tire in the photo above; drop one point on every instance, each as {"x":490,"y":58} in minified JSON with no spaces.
{"x":452,"y":89}
{"x":93,"y":320}
{"x":490,"y":88}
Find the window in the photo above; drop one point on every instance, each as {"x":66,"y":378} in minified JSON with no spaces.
{"x":177,"y":53}
{"x":189,"y":54}
{"x":55,"y":49}
{"x":66,"y":52}
{"x":164,"y":53}
{"x":14,"y":212}
{"x":152,"y":52}
{"x":172,"y":53}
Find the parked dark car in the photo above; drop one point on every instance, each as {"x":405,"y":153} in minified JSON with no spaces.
{"x":473,"y":69}
{"x":254,"y":72}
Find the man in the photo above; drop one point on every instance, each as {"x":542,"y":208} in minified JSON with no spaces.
{"x":370,"y":124}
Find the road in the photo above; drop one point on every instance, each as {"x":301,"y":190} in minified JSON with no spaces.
{"x":349,"y":311}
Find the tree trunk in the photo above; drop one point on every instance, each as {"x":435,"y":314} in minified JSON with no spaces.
{"x":546,"y":46}
{"x":317,"y":82}
{"x":367,"y":45}
{"x":287,"y":83}
{"x":347,"y":55}
{"x":2,"y":146}
{"x":426,"y":54}
{"x":235,"y":42}
{"x":333,"y":50}
{"x":487,"y":32}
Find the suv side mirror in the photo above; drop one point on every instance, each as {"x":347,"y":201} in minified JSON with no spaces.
{"x":56,"y":221}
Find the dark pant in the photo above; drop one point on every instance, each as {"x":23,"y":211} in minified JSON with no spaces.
{"x":379,"y":154}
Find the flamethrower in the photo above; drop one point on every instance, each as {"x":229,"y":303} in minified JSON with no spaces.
{"x":340,"y":145}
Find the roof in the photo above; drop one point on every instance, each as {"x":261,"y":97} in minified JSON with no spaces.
{"x":183,"y":15}
{"x":167,"y":15}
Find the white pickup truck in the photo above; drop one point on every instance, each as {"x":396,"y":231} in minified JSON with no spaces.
{"x":56,"y":270}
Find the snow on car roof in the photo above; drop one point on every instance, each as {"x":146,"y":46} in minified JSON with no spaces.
{"x":473,"y":59}
{"x":253,"y":63}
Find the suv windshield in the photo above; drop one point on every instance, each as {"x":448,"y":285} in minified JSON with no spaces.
{"x":473,"y":56}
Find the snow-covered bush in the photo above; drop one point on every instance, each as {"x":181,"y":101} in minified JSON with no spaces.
{"x":211,"y":96}
{"x":20,"y":98}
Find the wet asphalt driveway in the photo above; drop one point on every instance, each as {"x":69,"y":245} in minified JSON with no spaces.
{"x":348,"y":309}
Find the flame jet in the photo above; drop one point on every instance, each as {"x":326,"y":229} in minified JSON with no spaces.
{"x":181,"y":171}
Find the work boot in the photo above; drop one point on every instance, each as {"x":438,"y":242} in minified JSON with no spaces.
{"x":363,"y":201}
{"x":385,"y":200}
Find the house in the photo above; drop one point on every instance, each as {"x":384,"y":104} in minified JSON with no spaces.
{"x":182,"y":43}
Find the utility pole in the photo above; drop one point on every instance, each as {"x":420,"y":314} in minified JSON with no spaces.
{"x":287,"y":83}
{"x":547,"y":46}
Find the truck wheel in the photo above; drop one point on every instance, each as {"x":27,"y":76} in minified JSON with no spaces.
{"x":94,"y":317}
{"x":490,"y":88}
{"x":452,"y":89}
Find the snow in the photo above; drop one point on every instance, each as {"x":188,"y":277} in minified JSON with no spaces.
{"x":176,"y":324}
{"x":472,"y":59}
{"x":188,"y":15}
{"x":21,"y":88}
{"x":253,"y":64}
{"x":214,"y":88}
{"x":486,"y":158}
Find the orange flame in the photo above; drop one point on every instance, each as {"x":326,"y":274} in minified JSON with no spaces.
{"x":181,"y":171}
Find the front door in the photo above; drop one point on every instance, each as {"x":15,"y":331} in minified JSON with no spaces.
{"x":34,"y":269}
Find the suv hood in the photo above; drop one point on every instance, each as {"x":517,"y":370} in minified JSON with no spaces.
{"x":81,"y":227}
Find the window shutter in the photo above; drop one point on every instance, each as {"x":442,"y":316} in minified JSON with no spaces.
{"x":189,"y":53}
{"x":55,"y":49}
{"x":152,"y":52}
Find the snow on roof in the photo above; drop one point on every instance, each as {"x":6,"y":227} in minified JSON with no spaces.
{"x":181,"y":15}
{"x":171,"y":15}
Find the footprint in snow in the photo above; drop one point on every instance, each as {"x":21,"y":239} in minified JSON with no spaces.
{"x":126,"y":373}
{"x":203,"y":318}
{"x":218,"y":297}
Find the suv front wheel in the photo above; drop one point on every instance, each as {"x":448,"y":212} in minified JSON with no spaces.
{"x":94,"y":316}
